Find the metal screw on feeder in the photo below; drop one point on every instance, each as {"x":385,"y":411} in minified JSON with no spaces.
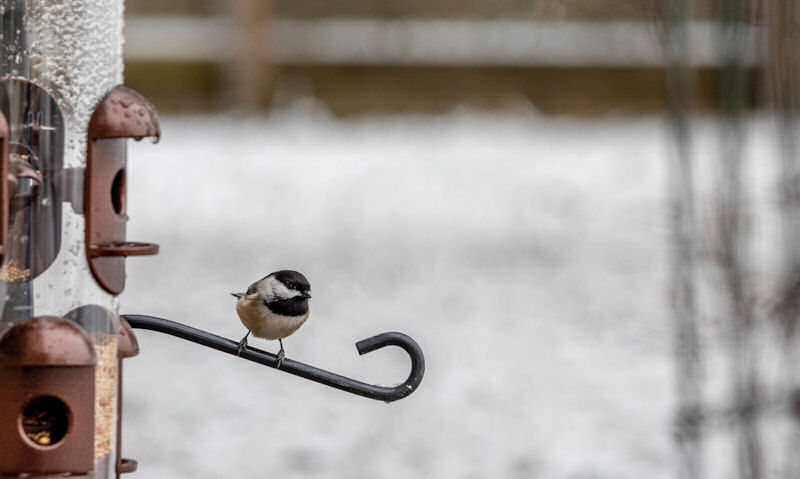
{"x":64,"y":122}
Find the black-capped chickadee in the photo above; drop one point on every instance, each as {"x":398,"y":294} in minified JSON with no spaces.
{"x":274,"y":307}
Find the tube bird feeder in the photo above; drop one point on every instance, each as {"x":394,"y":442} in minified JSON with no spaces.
{"x":64,"y":120}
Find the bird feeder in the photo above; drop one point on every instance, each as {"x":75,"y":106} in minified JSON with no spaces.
{"x":64,"y":121}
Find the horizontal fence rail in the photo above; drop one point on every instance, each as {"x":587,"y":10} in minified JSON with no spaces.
{"x":417,"y":42}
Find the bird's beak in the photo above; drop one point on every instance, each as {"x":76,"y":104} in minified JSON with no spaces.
{"x":237,"y":295}
{"x":305,"y":294}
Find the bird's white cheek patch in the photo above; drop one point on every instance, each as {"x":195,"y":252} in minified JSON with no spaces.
{"x":279,"y":290}
{"x":294,"y":293}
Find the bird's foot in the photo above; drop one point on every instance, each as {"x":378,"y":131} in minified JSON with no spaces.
{"x":242,"y":345}
{"x":281,"y":356}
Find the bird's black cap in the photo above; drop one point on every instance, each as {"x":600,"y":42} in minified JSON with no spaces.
{"x":293,"y":280}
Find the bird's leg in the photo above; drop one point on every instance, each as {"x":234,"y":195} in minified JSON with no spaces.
{"x":242,"y":344}
{"x":281,"y":355}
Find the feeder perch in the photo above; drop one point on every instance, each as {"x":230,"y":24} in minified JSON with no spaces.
{"x":121,"y":114}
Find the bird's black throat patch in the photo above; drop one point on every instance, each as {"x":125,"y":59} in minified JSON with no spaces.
{"x":296,"y":306}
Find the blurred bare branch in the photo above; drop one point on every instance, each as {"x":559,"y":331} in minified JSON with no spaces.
{"x":672,"y":18}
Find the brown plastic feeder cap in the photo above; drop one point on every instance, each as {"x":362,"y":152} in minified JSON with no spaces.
{"x":127,"y":345}
{"x":124,"y":113}
{"x":46,"y":341}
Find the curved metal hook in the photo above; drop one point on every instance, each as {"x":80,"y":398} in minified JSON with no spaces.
{"x":371,"y":391}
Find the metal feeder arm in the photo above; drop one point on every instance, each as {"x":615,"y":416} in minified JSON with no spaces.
{"x":381,"y":393}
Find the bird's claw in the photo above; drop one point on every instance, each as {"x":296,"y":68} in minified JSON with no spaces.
{"x":242,"y":345}
{"x":281,"y":356}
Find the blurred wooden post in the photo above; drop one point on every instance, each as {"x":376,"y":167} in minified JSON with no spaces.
{"x":248,"y":76}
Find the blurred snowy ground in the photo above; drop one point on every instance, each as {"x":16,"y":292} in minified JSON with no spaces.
{"x":526,"y":255}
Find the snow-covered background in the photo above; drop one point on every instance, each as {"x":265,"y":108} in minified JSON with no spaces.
{"x":526,"y":255}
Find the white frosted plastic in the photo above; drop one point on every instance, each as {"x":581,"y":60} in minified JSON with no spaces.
{"x":75,"y":49}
